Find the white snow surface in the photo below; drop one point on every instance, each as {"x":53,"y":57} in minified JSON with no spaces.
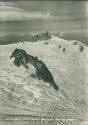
{"x":33,"y":96}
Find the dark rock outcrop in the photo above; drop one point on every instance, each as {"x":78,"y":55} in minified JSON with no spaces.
{"x":42,"y":72}
{"x":41,"y":36}
{"x":81,"y":48}
{"x":63,"y":49}
{"x":59,"y":46}
{"x":38,"y":37}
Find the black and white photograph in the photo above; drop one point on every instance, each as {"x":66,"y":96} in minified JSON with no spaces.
{"x":43,"y":62}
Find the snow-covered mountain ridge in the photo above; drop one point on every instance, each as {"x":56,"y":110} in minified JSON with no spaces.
{"x":32,"y":96}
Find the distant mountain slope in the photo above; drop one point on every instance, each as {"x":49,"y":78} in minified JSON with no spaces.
{"x":15,"y":38}
{"x":82,"y":37}
{"x":22,"y":93}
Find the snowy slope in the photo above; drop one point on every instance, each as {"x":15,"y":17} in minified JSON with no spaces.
{"x":20,"y":93}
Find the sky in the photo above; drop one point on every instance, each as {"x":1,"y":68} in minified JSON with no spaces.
{"x":33,"y":16}
{"x":10,"y":12}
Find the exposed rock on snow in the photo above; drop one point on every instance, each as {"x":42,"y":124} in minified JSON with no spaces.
{"x":42,"y":72}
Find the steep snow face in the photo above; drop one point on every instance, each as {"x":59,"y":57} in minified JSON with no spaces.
{"x":69,"y":68}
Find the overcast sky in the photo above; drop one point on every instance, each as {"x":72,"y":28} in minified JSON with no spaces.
{"x":16,"y":11}
{"x":64,"y":16}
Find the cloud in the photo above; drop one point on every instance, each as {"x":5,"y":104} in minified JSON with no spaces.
{"x":17,"y":14}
